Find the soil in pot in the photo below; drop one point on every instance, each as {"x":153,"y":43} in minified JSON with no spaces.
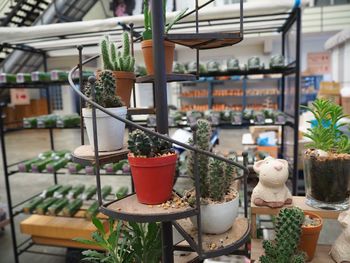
{"x":153,"y":177}
{"x":217,"y":217}
{"x":327,"y":179}
{"x":147,"y":50}
{"x":311,"y":229}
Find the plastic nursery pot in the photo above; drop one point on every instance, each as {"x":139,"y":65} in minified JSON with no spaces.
{"x":124,"y":83}
{"x":147,"y":50}
{"x":218,"y":218}
{"x":153,"y":178}
{"x":327,"y":180}
{"x":110,"y":131}
{"x":309,"y":237}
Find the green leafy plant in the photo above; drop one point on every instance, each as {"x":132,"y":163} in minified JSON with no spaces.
{"x":325,"y":133}
{"x":114,"y":59}
{"x":284,"y":249}
{"x":104,"y":91}
{"x":124,"y":243}
{"x":215,"y":176}
{"x":141,"y":144}
{"x":147,"y":14}
{"x":146,"y":244}
{"x":116,"y":244}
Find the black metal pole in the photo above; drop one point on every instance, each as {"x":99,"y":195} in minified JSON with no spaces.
{"x":245,"y":189}
{"x":92,"y":81}
{"x":159,"y":66}
{"x":48,"y":101}
{"x":7,"y":185}
{"x":283,"y":80}
{"x":161,"y":104}
{"x":297,"y":102}
{"x":131,"y":25}
{"x":81,"y":101}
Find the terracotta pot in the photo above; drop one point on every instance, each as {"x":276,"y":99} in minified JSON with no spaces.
{"x":124,"y":84}
{"x":153,"y":178}
{"x":147,"y":50}
{"x":309,"y":237}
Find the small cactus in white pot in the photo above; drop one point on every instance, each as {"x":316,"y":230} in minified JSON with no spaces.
{"x":110,"y":131}
{"x":219,"y":199}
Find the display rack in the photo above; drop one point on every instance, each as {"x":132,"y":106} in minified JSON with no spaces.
{"x":289,"y":81}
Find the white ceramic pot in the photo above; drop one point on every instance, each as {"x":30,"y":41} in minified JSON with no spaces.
{"x":110,"y":131}
{"x":218,"y":218}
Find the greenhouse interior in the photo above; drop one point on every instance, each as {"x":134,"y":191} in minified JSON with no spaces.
{"x":175,"y":131}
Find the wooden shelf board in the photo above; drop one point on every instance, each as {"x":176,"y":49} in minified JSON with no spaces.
{"x":298,"y":201}
{"x":169,"y":78}
{"x":61,"y":243}
{"x":85,"y":155}
{"x":185,"y":258}
{"x":239,"y":229}
{"x":130,"y":208}
{"x":321,"y":254}
{"x":205,"y":40}
{"x":63,"y":228}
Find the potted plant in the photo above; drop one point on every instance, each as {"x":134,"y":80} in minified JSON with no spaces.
{"x":284,"y":248}
{"x":310,"y":231}
{"x":121,"y":63}
{"x":147,"y":43}
{"x":152,"y":162}
{"x":110,"y":132}
{"x":219,"y":201}
{"x":327,"y":159}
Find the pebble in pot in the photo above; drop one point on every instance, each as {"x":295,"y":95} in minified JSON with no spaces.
{"x":341,"y":249}
{"x":271,"y":190}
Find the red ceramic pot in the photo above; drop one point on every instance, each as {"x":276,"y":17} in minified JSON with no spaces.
{"x":153,"y":178}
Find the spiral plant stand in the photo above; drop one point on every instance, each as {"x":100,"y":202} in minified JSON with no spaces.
{"x":128,"y":208}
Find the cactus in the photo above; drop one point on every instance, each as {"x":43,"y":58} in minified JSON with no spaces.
{"x":115,"y":60}
{"x":143,"y":145}
{"x":203,"y":133}
{"x":284,"y":249}
{"x":104,"y":91}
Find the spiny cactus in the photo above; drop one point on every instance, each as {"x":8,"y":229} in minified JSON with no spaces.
{"x":203,"y":133}
{"x":284,"y":249}
{"x":104,"y":91}
{"x":144,"y":145}
{"x":115,"y":60}
{"x":216,"y":180}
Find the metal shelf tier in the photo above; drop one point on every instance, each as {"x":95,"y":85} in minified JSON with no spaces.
{"x":130,"y":209}
{"x":169,"y":77}
{"x":206,"y":40}
{"x":85,"y":155}
{"x":215,"y":245}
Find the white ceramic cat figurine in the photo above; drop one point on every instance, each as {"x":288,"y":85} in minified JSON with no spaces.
{"x":340,"y":251}
{"x":271,"y":190}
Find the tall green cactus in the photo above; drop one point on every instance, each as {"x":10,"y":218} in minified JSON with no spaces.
{"x":104,"y":91}
{"x":284,"y":249}
{"x":115,"y":60}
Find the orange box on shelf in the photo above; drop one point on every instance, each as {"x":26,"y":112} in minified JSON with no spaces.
{"x":271,"y":150}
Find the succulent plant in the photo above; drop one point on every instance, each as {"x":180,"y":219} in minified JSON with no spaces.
{"x":215,"y":175}
{"x":104,"y":91}
{"x":116,"y":60}
{"x":284,"y":249}
{"x":143,"y":145}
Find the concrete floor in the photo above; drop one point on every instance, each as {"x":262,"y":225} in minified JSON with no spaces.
{"x":27,"y":144}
